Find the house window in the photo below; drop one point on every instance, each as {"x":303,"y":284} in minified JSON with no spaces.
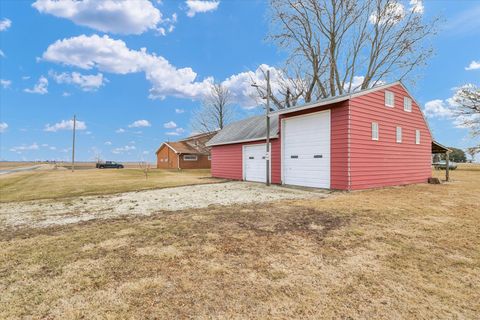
{"x":190,"y":157}
{"x":210,"y":158}
{"x":389,"y":99}
{"x":399,"y":134}
{"x":407,"y":104}
{"x":374,"y":131}
{"x":417,"y":136}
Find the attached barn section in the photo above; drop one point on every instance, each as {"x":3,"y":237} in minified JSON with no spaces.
{"x":372,"y":138}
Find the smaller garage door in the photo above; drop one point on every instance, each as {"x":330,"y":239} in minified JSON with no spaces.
{"x":254,"y":164}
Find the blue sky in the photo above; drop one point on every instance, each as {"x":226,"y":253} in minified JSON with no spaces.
{"x":128,"y":99}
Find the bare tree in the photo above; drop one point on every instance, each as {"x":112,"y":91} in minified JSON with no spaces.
{"x":216,"y":112}
{"x":145,"y":167}
{"x":472,"y":151}
{"x":467,"y":100}
{"x":338,"y":46}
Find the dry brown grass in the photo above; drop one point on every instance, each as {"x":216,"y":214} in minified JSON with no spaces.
{"x":396,"y":253}
{"x":54,"y":184}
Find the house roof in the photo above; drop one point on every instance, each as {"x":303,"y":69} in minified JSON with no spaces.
{"x":191,"y":145}
{"x":250,"y":129}
{"x":254,"y":128}
{"x":438,"y":148}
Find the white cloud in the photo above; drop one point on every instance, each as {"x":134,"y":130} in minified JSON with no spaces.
{"x":438,"y":109}
{"x":170,"y":125}
{"x":65,"y":125}
{"x":474,"y":65}
{"x":176,"y":132}
{"x":22,"y":148}
{"x":240,"y":85}
{"x":417,"y":6}
{"x":140,"y":124}
{"x":200,"y":6}
{"x":108,"y":143}
{"x":41,"y":87}
{"x":121,"y":17}
{"x":121,"y":130}
{"x":447,"y":109}
{"x":123,"y":149}
{"x":3,"y":127}
{"x":5,"y":24}
{"x":179,"y":111}
{"x":5,"y":83}
{"x":66,"y":94}
{"x":113,"y":56}
{"x":26,"y":77}
{"x":2,"y":54}
{"x":85,"y":82}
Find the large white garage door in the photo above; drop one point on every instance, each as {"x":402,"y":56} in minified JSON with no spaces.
{"x":254,"y":164}
{"x":306,"y":150}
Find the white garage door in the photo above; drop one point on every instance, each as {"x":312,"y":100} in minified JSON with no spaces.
{"x":254,"y":164}
{"x":306,"y":150}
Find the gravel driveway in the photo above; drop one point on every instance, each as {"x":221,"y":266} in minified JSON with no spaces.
{"x":43,"y":213}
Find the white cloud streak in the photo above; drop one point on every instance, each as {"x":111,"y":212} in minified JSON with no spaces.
{"x":175,"y":132}
{"x":123,"y":149}
{"x":170,"y":125}
{"x":140,"y":124}
{"x":23,"y":148}
{"x":5,"y":83}
{"x":120,"y":17}
{"x":5,"y":24}
{"x":85,"y":82}
{"x":3,"y":127}
{"x":113,"y":56}
{"x":200,"y":6}
{"x":41,"y":87}
{"x":474,"y":65}
{"x":65,"y":125}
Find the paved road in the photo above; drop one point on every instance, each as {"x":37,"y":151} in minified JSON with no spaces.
{"x":20,"y":169}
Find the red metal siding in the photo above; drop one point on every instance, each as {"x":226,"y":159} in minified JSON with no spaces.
{"x":385,"y":162}
{"x":338,"y":142}
{"x":227,"y":160}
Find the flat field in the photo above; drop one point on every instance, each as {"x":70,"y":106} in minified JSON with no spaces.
{"x":62,"y":183}
{"x":396,"y":253}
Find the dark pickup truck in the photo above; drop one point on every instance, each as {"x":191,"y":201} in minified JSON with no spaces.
{"x":109,"y":165}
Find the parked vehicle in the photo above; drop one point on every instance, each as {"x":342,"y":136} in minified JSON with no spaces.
{"x":109,"y":165}
{"x":442,"y":165}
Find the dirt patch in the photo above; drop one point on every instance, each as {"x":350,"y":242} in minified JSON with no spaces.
{"x":307,"y":221}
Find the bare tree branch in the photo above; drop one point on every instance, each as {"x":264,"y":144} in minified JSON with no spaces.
{"x":330,"y":42}
{"x":216,"y":111}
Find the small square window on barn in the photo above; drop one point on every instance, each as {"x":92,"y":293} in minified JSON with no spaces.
{"x":399,"y":134}
{"x":190,"y":157}
{"x":407,"y":104}
{"x":417,"y":136}
{"x":210,"y":158}
{"x":374,"y":131}
{"x":389,"y":99}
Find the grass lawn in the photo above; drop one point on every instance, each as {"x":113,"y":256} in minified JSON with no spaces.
{"x":396,"y":253}
{"x":52,"y":184}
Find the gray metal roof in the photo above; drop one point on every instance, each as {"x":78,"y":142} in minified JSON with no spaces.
{"x":250,"y":129}
{"x":254,"y":128}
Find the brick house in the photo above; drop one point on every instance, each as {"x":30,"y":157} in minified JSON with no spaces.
{"x":189,"y":153}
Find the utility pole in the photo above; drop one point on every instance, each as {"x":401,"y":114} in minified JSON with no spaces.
{"x":267,"y":116}
{"x":73,"y":142}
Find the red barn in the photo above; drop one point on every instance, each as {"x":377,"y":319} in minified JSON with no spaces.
{"x":372,"y":138}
